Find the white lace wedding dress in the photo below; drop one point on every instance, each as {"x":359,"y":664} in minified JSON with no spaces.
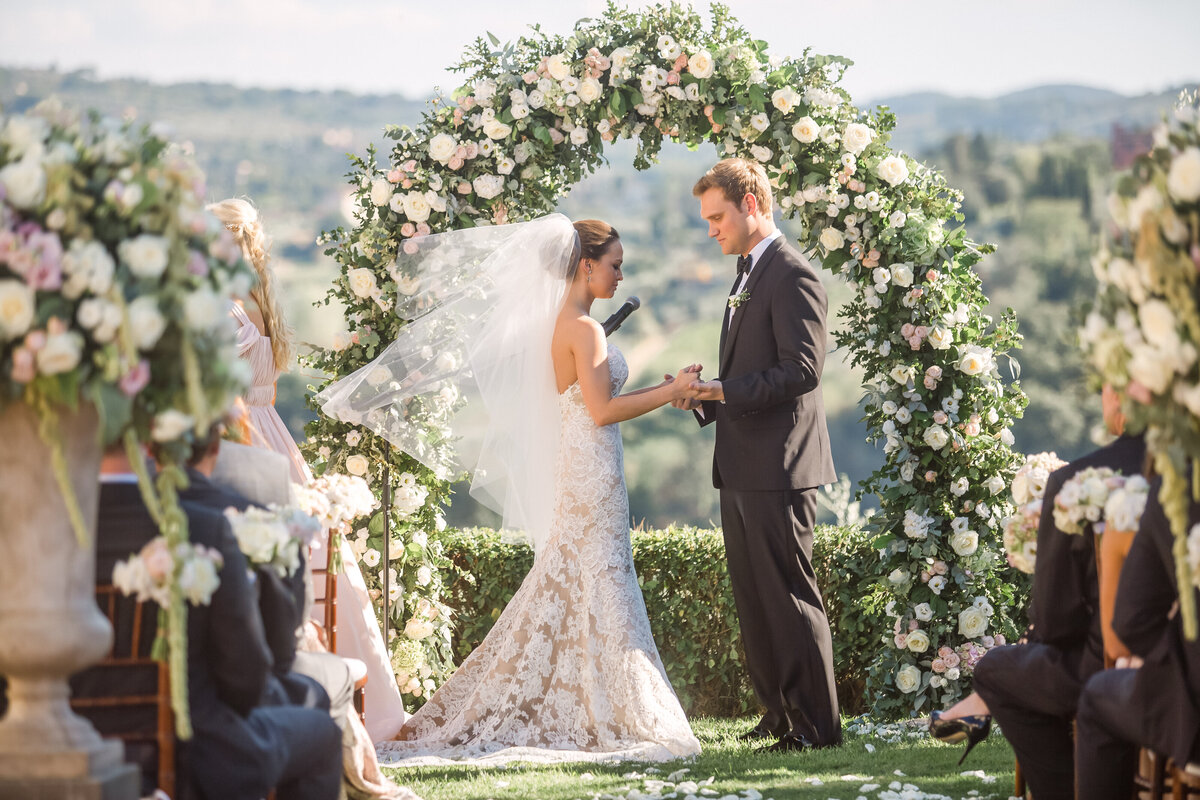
{"x":569,"y":672}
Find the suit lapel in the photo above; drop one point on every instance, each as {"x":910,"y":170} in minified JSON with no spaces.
{"x":730,"y":331}
{"x":725,"y":318}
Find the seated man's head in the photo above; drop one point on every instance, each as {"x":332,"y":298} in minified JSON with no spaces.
{"x":1110,"y":406}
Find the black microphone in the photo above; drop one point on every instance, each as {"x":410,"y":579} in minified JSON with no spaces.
{"x":614,"y":322}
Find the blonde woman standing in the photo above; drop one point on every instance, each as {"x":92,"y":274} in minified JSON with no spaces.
{"x":264,"y":340}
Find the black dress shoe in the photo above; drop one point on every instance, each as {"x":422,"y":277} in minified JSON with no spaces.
{"x":756,"y":733}
{"x":973,"y":729}
{"x":789,"y":744}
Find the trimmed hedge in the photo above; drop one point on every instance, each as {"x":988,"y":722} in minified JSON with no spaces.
{"x":690,"y":603}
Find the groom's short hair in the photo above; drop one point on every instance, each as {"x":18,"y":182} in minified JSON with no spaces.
{"x":736,"y":178}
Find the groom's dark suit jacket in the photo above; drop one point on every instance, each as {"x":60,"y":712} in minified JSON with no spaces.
{"x":772,"y":434}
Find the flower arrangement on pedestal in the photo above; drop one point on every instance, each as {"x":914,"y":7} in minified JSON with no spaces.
{"x":531,"y":119}
{"x":1143,"y":333}
{"x":114,"y":286}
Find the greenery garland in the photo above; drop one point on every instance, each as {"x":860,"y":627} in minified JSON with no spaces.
{"x":531,"y":120}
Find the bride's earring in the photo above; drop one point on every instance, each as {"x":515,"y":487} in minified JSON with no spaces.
{"x":589,"y":274}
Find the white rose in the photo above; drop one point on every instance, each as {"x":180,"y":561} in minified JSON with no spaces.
{"x":416,"y":207}
{"x":362,"y":282}
{"x":785,"y":99}
{"x":60,"y":353}
{"x":1151,"y":367}
{"x":900,"y":374}
{"x":903,"y":415}
{"x":495,"y":129}
{"x":918,"y":641}
{"x":923,"y":612}
{"x":965,"y":543}
{"x":994,"y":484}
{"x":556,"y":65}
{"x":856,"y":137}
{"x":24,"y":134}
{"x":24,"y":183}
{"x":880,"y":276}
{"x":902,"y":274}
{"x":898,"y":576}
{"x":424,"y":575}
{"x":972,"y":622}
{"x":1158,"y":324}
{"x":442,"y":147}
{"x":700,"y":64}
{"x":1183,"y":179}
{"x":408,"y":285}
{"x":203,"y":310}
{"x":357,"y":465}
{"x":953,"y":673}
{"x":146,"y":322}
{"x":889,"y":407}
{"x":806,"y":130}
{"x":488,"y":186}
{"x":893,"y":170}
{"x":937,"y":583}
{"x":908,"y":679}
{"x":376,"y":377}
{"x":371,"y":557}
{"x":145,"y":255}
{"x":16,"y":309}
{"x":975,"y":360}
{"x":936,"y":437}
{"x":590,"y":90}
{"x":832,"y":239}
{"x":940,"y":338}
{"x":418,"y":628}
{"x":579,"y":136}
{"x":170,"y":425}
{"x":381,"y":192}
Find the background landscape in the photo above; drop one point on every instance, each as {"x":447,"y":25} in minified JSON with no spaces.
{"x":1035,"y":165}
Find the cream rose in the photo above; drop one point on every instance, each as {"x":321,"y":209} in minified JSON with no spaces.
{"x":902,"y":274}
{"x":701,"y":64}
{"x":1183,"y":179}
{"x":901,"y":374}
{"x":495,"y":129}
{"x":1151,"y":367}
{"x":170,"y":425}
{"x":918,"y":641}
{"x":893,"y":170}
{"x":785,"y":99}
{"x":923,"y":612}
{"x":60,"y":353}
{"x":357,"y":465}
{"x":940,"y":338}
{"x":1158,"y":324}
{"x":556,"y":65}
{"x":908,"y":679}
{"x":362,"y":282}
{"x":417,"y":628}
{"x":488,"y":186}
{"x":975,"y":360}
{"x":145,"y":255}
{"x":856,"y":137}
{"x":416,"y":207}
{"x":832,"y":239}
{"x":964,"y":543}
{"x":590,"y":90}
{"x":936,"y":437}
{"x":381,"y":191}
{"x":24,"y":184}
{"x":806,"y":130}
{"x":146,"y":322}
{"x":972,"y":622}
{"x":442,"y":147}
{"x":16,"y":309}
{"x":24,"y":134}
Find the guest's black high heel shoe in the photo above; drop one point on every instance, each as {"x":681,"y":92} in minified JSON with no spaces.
{"x":952,"y":731}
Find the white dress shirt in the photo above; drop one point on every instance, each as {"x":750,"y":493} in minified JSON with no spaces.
{"x":755,"y":254}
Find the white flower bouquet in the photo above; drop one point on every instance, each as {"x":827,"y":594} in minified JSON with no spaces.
{"x":148,"y":575}
{"x":1123,"y":508}
{"x":1080,"y":502}
{"x":1021,"y":527}
{"x":272,"y":537}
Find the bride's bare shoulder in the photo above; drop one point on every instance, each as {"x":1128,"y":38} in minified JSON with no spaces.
{"x":574,"y":326}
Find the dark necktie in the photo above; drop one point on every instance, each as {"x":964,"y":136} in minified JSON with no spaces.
{"x":743,"y":264}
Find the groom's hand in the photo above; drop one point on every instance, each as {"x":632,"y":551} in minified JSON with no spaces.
{"x":708,"y":390}
{"x":684,"y":403}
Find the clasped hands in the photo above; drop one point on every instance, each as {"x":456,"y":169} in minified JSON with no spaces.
{"x":691,"y":391}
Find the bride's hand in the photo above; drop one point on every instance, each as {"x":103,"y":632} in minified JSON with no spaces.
{"x":682,"y":384}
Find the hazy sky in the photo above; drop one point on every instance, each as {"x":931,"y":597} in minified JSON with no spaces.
{"x":966,"y":47}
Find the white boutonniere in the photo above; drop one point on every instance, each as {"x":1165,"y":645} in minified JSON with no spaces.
{"x":737,"y":299}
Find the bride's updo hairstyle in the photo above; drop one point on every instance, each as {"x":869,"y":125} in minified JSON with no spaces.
{"x":595,"y":237}
{"x":242,"y":220}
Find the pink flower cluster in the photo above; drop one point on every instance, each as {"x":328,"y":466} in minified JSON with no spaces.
{"x":915,"y":335}
{"x":598,"y":64}
{"x":24,"y":356}
{"x":34,"y":254}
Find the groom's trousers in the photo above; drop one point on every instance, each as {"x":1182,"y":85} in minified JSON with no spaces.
{"x":789,"y":650}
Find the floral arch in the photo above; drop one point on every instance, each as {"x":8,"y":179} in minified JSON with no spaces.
{"x":532,"y":119}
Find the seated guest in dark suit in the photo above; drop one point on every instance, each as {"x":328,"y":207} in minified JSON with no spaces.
{"x":240,"y":749}
{"x":281,"y":599}
{"x":1154,"y":705}
{"x":1032,"y":687}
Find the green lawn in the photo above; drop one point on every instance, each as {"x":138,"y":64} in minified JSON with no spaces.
{"x":735,"y":768}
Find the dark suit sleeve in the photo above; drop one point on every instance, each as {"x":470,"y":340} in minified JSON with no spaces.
{"x":1063,"y":584}
{"x":709,"y":407}
{"x":798,"y":308}
{"x":236,"y":646}
{"x":1146,"y":590}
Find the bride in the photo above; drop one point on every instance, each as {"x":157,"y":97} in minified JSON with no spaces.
{"x":570,"y":670}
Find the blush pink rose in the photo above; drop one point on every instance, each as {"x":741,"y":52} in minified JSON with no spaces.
{"x":135,"y":379}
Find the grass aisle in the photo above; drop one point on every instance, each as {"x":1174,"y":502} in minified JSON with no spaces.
{"x":818,"y":775}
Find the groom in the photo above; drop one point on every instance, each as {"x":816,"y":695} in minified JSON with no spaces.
{"x":772,"y":452}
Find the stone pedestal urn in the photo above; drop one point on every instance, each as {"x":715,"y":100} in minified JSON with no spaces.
{"x":50,"y":625}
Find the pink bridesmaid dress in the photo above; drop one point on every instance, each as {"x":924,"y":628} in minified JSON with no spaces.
{"x":359,"y":633}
